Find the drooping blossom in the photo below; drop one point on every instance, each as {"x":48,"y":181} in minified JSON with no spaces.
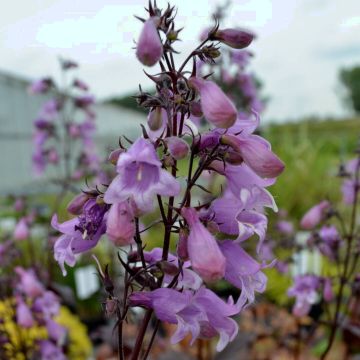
{"x":120,"y":224}
{"x":202,"y":314}
{"x":315,"y":215}
{"x":23,"y":314}
{"x":256,"y":153}
{"x":204,"y":253}
{"x":243,"y":271}
{"x":305,"y":291}
{"x":140,"y":177}
{"x":235,"y":38}
{"x":79,"y":234}
{"x":149,"y":49}
{"x":29,"y":283}
{"x":329,"y":241}
{"x":218,"y":109}
{"x":49,"y":351}
{"x":22,"y":230}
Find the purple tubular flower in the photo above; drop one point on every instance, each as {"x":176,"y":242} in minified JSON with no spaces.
{"x":314,"y":215}
{"x":187,"y":279}
{"x":140,"y":177}
{"x":305,"y":290}
{"x":22,"y":230}
{"x":235,"y":38}
{"x":204,"y":253}
{"x":218,"y":109}
{"x":23,"y":315}
{"x":29,"y":283}
{"x":76,"y":205}
{"x":56,"y":331}
{"x":178,"y":148}
{"x":49,"y":351}
{"x":48,"y":304}
{"x":330,"y":241}
{"x":79,"y":234}
{"x":348,"y":190}
{"x":40,"y":86}
{"x":256,"y":154}
{"x":149,"y":48}
{"x":201,"y":314}
{"x":243,"y":271}
{"x":120,"y":225}
{"x":285,"y":227}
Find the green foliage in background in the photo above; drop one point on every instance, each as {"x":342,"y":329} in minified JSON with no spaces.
{"x":350,"y":79}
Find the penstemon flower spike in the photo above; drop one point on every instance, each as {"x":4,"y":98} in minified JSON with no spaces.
{"x":172,"y":286}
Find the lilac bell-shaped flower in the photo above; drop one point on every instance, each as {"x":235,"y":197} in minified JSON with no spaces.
{"x":315,"y":215}
{"x":21,"y":231}
{"x":120,"y":225}
{"x":149,"y":47}
{"x":24,"y":317}
{"x":216,"y":106}
{"x":256,"y":154}
{"x":178,"y":148}
{"x":235,"y":38}
{"x":204,"y":252}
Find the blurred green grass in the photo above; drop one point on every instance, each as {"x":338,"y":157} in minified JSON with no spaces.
{"x":312,"y":151}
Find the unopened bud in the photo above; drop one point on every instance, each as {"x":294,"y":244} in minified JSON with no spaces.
{"x":156,"y":118}
{"x":149,"y":48}
{"x":235,"y":38}
{"x":114,"y":156}
{"x":178,"y":148}
{"x":76,"y":205}
{"x":111,"y":306}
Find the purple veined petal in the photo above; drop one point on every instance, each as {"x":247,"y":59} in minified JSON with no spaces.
{"x":141,"y":151}
{"x":189,"y":279}
{"x":67,"y":227}
{"x":228,"y":329}
{"x":218,"y":109}
{"x":250,"y":223}
{"x":245,"y":124}
{"x":168,"y":185}
{"x":29,"y":283}
{"x":188,"y":322}
{"x":63,"y":253}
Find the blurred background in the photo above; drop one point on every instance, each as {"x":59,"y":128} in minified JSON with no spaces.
{"x":306,"y":57}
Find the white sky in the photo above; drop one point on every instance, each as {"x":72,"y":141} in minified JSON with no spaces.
{"x":300,"y":46}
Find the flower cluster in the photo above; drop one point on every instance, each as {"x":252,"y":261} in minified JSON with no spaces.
{"x":59,"y":138}
{"x":206,"y":235}
{"x":34,"y":306}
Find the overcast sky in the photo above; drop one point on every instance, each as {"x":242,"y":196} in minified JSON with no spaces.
{"x":300,"y":45}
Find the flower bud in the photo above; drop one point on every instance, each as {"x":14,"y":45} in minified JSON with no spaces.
{"x":149,"y":48}
{"x":178,"y":148}
{"x":182,"y":244}
{"x":204,"y":253}
{"x":155,"y":118}
{"x":21,"y":231}
{"x":120,"y":224}
{"x":114,"y":156}
{"x":315,"y":215}
{"x":216,"y":106}
{"x":111,"y":306}
{"x":235,"y":38}
{"x":76,"y":205}
{"x":195,"y":109}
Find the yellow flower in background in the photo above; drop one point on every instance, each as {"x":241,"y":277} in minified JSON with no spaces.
{"x":22,"y":342}
{"x":79,"y":343}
